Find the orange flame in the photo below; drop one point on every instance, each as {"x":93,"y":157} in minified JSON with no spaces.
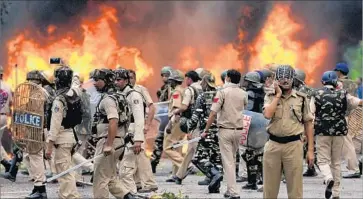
{"x":276,"y":44}
{"x":98,"y":49}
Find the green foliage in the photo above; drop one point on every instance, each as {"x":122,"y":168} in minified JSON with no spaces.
{"x":353,"y":56}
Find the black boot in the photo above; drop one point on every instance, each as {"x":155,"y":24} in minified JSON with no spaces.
{"x":310,"y":172}
{"x":153,"y":166}
{"x":360,"y":167}
{"x":39,"y":192}
{"x":13,"y":171}
{"x":6,"y":165}
{"x":252,"y":168}
{"x":215,"y":182}
{"x":129,"y":196}
{"x":206,"y":181}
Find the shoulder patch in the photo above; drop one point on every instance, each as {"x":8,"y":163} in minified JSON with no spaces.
{"x":215,"y":99}
{"x":175,"y":95}
{"x":56,"y":109}
{"x":136,"y":101}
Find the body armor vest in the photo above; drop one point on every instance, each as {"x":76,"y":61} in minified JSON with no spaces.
{"x":331,"y":107}
{"x":188,"y":113}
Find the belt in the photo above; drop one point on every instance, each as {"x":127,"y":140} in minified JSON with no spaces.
{"x":3,"y":113}
{"x":286,"y":139}
{"x":240,"y":128}
{"x":104,"y":137}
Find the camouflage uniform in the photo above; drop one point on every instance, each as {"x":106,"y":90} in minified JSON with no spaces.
{"x":163,"y":95}
{"x":208,"y":153}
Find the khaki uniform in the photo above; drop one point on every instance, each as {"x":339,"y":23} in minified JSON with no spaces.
{"x":176,"y":133}
{"x":5,"y":99}
{"x":188,"y":100}
{"x":105,"y":168}
{"x":144,"y":177}
{"x":288,"y":156}
{"x":64,"y":141}
{"x":229,"y":103}
{"x":130,"y":161}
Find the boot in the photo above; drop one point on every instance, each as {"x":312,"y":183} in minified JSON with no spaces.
{"x":11,"y":175}
{"x":216,"y":179}
{"x":6,"y":165}
{"x":252,"y":185}
{"x":129,"y":196}
{"x":310,"y":172}
{"x":360,"y":167}
{"x":153,"y":166}
{"x":206,"y":181}
{"x":39,"y":192}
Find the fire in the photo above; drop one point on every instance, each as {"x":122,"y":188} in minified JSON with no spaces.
{"x":97,"y":49}
{"x":276,"y":44}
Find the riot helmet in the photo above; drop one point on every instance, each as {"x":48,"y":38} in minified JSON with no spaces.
{"x":63,"y":77}
{"x":177,"y":76}
{"x":122,"y":74}
{"x":34,"y":77}
{"x":166,"y":70}
{"x":47,"y":77}
{"x":285,"y":75}
{"x":252,"y":78}
{"x":223,"y":75}
{"x":342,"y":67}
{"x":329,"y":78}
{"x":107,"y":76}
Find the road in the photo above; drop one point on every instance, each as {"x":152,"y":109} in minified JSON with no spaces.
{"x":313,"y":187}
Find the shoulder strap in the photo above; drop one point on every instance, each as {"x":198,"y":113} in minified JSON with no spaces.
{"x":133,"y":90}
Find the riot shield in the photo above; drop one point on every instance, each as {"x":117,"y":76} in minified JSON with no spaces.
{"x":28,"y":117}
{"x":254,"y":134}
{"x":162,"y":114}
{"x":355,"y":122}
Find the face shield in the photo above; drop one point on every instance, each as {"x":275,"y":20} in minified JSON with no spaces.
{"x":285,"y":76}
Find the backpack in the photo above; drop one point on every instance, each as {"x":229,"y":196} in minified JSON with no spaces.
{"x":73,"y":109}
{"x":188,"y":113}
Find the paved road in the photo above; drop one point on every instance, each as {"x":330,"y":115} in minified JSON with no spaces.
{"x":313,"y":187}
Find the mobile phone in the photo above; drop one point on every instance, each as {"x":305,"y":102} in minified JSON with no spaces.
{"x":55,"y":60}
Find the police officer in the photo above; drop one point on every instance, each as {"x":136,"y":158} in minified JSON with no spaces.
{"x":330,"y":107}
{"x":342,"y":70}
{"x":187,"y":107}
{"x":299,"y":85}
{"x":61,"y":134}
{"x":144,"y":178}
{"x":229,"y":103}
{"x":238,"y":156}
{"x":133,"y":153}
{"x":253,"y":86}
{"x":163,"y":95}
{"x":290,"y":118}
{"x":208,"y":157}
{"x":110,"y":126}
{"x":5,"y":104}
{"x":173,"y":132}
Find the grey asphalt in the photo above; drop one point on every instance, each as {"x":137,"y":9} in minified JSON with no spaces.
{"x":313,"y":187}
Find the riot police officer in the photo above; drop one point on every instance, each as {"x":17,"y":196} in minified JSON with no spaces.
{"x":163,"y":95}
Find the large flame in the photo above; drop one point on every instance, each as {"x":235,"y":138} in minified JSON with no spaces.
{"x":98,"y":49}
{"x":276,"y":44}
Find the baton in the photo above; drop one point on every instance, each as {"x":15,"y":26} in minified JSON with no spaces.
{"x":78,"y":166}
{"x":179,"y":144}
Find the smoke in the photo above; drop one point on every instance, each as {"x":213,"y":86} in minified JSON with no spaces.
{"x":162,"y":28}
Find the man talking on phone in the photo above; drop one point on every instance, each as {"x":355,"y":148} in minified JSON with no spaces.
{"x":290,"y":117}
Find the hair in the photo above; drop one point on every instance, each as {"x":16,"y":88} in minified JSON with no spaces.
{"x":132,"y":72}
{"x":193,"y":75}
{"x":234,"y":75}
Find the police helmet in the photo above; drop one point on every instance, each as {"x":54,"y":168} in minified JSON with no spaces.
{"x":47,"y":76}
{"x":105,"y":74}
{"x":285,"y":72}
{"x":33,"y":75}
{"x":199,"y":71}
{"x":121,"y":73}
{"x":224,"y":75}
{"x":343,"y":67}
{"x":300,"y":75}
{"x":166,"y":70}
{"x":204,"y":73}
{"x":329,"y":77}
{"x":266,"y":73}
{"x":176,"y":75}
{"x":63,"y":77}
{"x":253,"y":77}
